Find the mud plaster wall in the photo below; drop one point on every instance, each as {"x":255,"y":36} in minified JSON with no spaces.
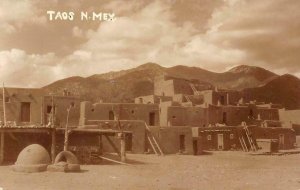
{"x":273,"y":133}
{"x":196,"y":116}
{"x":61,"y":104}
{"x":152,"y":99}
{"x":164,"y":88}
{"x":209,"y":137}
{"x":13,"y":106}
{"x":100,"y":111}
{"x":289,"y":117}
{"x":176,"y":116}
{"x":169,"y":138}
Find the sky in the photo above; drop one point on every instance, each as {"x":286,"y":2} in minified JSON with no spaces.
{"x":212,"y":34}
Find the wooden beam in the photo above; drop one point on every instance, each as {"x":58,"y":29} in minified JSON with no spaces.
{"x":53,"y":145}
{"x":113,"y":145}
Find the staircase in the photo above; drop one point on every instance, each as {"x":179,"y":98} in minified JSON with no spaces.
{"x":153,"y":142}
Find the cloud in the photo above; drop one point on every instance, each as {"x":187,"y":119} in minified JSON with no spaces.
{"x":214,"y":36}
{"x":152,"y":35}
{"x":20,"y":69}
{"x":268,"y":31}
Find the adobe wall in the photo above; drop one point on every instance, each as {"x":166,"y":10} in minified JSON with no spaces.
{"x":61,"y":104}
{"x":169,"y":138}
{"x":196,"y":116}
{"x":101,"y":111}
{"x":208,"y":137}
{"x":151,"y":99}
{"x":289,"y":117}
{"x":176,"y":116}
{"x":182,"y":87}
{"x":268,"y":113}
{"x":163,"y":87}
{"x":273,"y":133}
{"x":14,"y":98}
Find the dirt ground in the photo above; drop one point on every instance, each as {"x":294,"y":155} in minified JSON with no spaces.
{"x":221,"y":170}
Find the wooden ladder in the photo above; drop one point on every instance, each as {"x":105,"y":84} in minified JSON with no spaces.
{"x":187,"y":98}
{"x":153,"y":142}
{"x":243,"y":144}
{"x":196,"y":92}
{"x":250,"y":139}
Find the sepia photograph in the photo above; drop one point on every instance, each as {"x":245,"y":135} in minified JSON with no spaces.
{"x":149,"y":95}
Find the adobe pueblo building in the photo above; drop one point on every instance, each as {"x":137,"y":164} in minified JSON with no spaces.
{"x":181,"y":117}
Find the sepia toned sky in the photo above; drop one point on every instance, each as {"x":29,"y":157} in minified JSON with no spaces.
{"x":212,"y":34}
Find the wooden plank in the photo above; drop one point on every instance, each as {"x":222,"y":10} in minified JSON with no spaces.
{"x":25,"y":130}
{"x":113,"y":145}
{"x":111,"y":160}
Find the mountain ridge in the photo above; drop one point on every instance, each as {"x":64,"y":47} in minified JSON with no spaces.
{"x":125,"y":85}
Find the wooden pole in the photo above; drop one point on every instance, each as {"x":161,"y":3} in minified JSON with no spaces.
{"x":2,"y":148}
{"x":52,"y":111}
{"x":123,"y":151}
{"x":2,"y":133}
{"x":3,"y":101}
{"x":66,"y":142}
{"x":53,"y":145}
{"x":100,"y":145}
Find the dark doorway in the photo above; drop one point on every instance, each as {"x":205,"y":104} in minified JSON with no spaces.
{"x":49,"y":109}
{"x":195,"y":147}
{"x":151,"y":118}
{"x":25,"y":111}
{"x":251,"y":113}
{"x":128,"y":142}
{"x":182,"y":143}
{"x":222,"y":100}
{"x":224,"y":117}
{"x":111,"y":115}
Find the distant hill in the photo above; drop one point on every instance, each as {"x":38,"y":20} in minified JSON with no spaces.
{"x":125,"y":85}
{"x":237,"y":78}
{"x":284,"y":89}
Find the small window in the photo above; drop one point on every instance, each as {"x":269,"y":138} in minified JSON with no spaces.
{"x":209,"y":137}
{"x":72,"y":104}
{"x":7,"y":99}
{"x":174,"y":117}
{"x":92,"y":110}
{"x":132,"y":111}
{"x":231,"y":136}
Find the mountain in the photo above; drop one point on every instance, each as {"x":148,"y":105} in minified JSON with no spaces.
{"x":283,"y":90}
{"x":120,"y":86}
{"x":125,"y":85}
{"x":237,"y":78}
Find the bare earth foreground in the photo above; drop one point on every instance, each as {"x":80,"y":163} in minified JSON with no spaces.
{"x":222,"y":170}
